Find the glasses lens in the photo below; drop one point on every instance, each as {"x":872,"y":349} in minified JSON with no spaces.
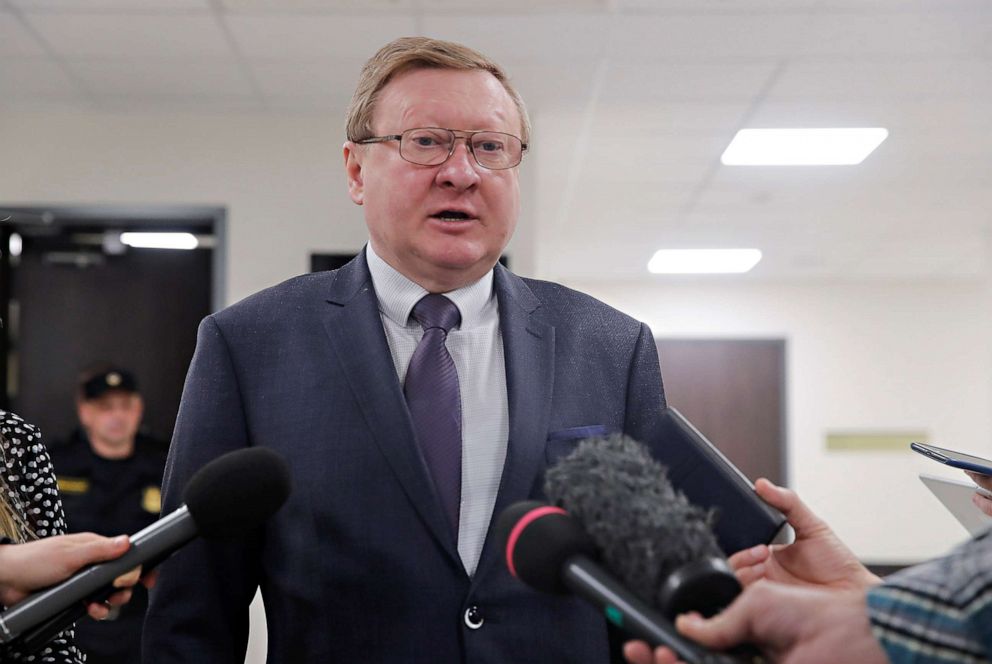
{"x":496,"y":150}
{"x":427,"y":147}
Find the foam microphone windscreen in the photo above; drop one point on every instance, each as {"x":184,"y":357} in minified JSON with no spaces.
{"x":237,"y":492}
{"x":643,"y":528}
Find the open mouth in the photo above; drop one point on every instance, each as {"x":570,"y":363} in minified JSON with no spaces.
{"x":451,"y":215}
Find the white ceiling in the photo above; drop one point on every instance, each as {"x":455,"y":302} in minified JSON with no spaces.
{"x":633,"y":102}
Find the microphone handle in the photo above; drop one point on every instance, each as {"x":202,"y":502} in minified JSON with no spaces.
{"x":35,"y":639}
{"x":42,"y":611}
{"x":628,"y":612}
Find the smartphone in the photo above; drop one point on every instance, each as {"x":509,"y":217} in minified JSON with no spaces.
{"x":954,"y":459}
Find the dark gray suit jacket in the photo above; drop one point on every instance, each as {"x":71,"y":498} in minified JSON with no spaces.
{"x":358,"y":566}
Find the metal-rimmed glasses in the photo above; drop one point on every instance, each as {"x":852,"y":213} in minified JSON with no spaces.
{"x":432,"y":146}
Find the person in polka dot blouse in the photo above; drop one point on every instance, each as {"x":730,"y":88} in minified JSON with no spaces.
{"x":34,"y":551}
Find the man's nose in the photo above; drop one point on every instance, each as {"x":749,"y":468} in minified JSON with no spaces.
{"x":460,"y":171}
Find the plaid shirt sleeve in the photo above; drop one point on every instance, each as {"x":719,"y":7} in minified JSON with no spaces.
{"x":940,"y":611}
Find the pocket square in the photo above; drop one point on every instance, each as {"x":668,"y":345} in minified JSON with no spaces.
{"x":560,"y":443}
{"x":578,"y":433}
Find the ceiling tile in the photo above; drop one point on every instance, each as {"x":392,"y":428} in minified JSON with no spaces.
{"x":176,"y":107}
{"x":84,"y":6}
{"x":715,"y":6}
{"x":130,"y":35}
{"x":331,"y":110}
{"x":16,"y":40}
{"x":551,"y":85}
{"x":29,"y":78}
{"x":639,"y":207}
{"x":620,"y":117}
{"x":663,"y":160}
{"x":154,"y":78}
{"x":706,"y":37}
{"x":666,"y":81}
{"x":321,"y":78}
{"x":510,"y":6}
{"x":902,"y":6}
{"x":892,"y":79}
{"x":924,"y":33}
{"x":920,"y":114}
{"x":303,"y":37}
{"x":316,"y":6}
{"x":578,"y":38}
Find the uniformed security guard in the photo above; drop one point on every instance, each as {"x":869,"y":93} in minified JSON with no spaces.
{"x":110,"y":477}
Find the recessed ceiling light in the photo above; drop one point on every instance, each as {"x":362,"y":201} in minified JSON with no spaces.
{"x":703,"y":261}
{"x":160,"y":240}
{"x":803,"y":147}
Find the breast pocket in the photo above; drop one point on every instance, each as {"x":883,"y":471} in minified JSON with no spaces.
{"x":561,"y":443}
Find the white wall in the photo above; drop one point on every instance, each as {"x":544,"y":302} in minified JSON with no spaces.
{"x":280,"y":177}
{"x":860,"y":355}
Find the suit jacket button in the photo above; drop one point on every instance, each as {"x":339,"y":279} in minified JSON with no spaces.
{"x":473,"y":617}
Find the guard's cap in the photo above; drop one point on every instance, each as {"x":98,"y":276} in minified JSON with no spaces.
{"x":96,"y":385}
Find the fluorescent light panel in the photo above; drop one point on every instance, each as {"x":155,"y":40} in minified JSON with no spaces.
{"x":703,"y":261}
{"x":803,"y":147}
{"x":160,"y":240}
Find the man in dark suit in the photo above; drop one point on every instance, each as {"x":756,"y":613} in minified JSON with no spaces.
{"x":385,"y":551}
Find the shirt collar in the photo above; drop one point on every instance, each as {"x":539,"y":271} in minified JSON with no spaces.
{"x":397,"y":294}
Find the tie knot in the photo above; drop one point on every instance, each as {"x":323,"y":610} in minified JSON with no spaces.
{"x":435,"y":310}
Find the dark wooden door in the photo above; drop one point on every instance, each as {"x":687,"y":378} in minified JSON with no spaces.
{"x":733,"y":391}
{"x":139,"y":309}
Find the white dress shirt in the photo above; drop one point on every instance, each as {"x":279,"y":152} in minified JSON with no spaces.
{"x":476,"y":346}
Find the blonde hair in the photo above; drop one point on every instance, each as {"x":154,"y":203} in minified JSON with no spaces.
{"x":8,"y":527}
{"x":408,"y":53}
{"x":12,"y":522}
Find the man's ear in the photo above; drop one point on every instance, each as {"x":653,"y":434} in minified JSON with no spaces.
{"x":353,"y":156}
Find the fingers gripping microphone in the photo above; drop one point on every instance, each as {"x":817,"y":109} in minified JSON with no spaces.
{"x":228,"y":497}
{"x":548,"y":550}
{"x":657,"y":543}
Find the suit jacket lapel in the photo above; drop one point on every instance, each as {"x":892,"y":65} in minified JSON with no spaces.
{"x":529,"y":354}
{"x":353,"y":324}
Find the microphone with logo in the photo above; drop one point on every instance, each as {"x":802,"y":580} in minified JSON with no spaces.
{"x":658,"y":554}
{"x":228,"y":497}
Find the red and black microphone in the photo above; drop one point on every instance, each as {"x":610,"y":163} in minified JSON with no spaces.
{"x":621,"y":536}
{"x":548,"y":550}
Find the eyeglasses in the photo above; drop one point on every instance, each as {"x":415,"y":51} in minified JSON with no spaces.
{"x":431,"y":146}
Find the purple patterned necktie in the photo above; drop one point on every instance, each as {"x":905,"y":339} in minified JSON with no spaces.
{"x":431,"y":390}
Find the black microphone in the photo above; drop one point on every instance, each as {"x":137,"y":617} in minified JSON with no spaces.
{"x":228,"y":497}
{"x":548,"y":549}
{"x":657,"y":543}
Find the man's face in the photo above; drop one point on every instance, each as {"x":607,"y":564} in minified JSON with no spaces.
{"x":112,"y":419}
{"x":405,"y":204}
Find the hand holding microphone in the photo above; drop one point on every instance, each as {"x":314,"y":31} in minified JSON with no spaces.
{"x":29,"y":566}
{"x":659,"y":556}
{"x":548,"y":550}
{"x":793,"y":625}
{"x":226,"y":498}
{"x":658,"y":543}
